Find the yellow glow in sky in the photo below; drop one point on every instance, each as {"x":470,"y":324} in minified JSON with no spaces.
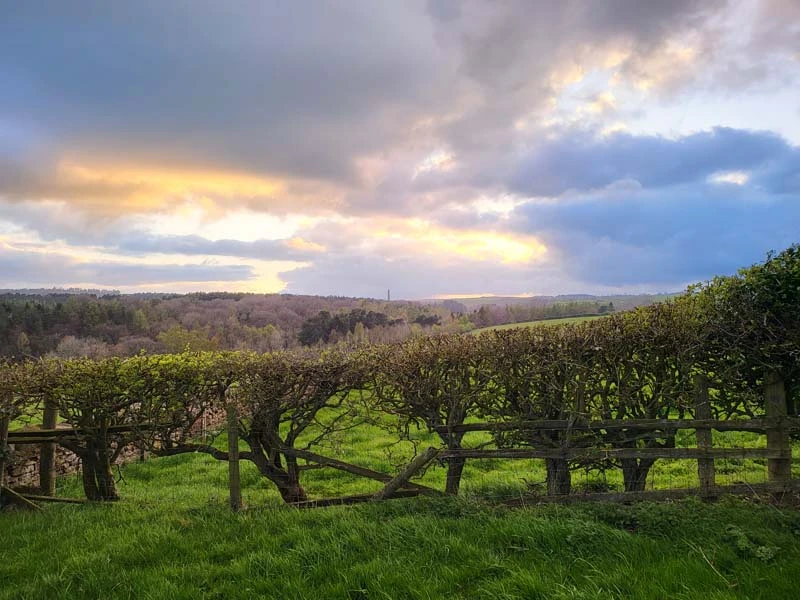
{"x":476,"y":245}
{"x":665,"y":66}
{"x":299,"y":243}
{"x":603,"y":102}
{"x":175,"y":181}
{"x":121,"y":189}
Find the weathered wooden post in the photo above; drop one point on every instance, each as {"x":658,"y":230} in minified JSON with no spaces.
{"x":234,"y":477}
{"x":778,"y":442}
{"x":47,"y":452}
{"x":706,"y":471}
{"x":4,"y":421}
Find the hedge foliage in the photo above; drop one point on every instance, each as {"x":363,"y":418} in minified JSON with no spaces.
{"x":735,"y":331}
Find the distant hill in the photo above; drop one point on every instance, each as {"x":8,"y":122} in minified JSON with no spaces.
{"x":620,"y":301}
{"x":59,"y":292}
{"x":76,"y":322}
{"x":68,"y":322}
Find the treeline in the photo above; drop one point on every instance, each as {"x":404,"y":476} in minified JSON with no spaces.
{"x":359,"y":326}
{"x":71,"y":325}
{"x":735,"y":333}
{"x":327,"y":328}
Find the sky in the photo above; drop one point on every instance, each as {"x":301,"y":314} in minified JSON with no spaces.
{"x":436,"y":148}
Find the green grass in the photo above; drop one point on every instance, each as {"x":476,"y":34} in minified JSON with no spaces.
{"x":545,"y":322}
{"x":172,"y":537}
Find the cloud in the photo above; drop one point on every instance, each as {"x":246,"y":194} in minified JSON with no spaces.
{"x":277,"y":106}
{"x":229,"y":87}
{"x":294,"y":249}
{"x":582,"y":160}
{"x":26,"y":267}
{"x":668,"y":237}
{"x":459,"y":145}
{"x":415,"y":277}
{"x":781,"y":176}
{"x":418,"y":258}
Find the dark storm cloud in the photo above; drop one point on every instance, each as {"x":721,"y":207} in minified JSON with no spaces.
{"x":582,"y":160}
{"x":668,"y":236}
{"x":295,"y":87}
{"x":298,"y":88}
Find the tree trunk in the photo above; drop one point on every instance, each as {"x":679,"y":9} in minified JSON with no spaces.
{"x":98,"y":480}
{"x":88,"y":474}
{"x":291,"y":491}
{"x":105,"y":477}
{"x":634,"y":473}
{"x":455,"y":467}
{"x":558,"y":477}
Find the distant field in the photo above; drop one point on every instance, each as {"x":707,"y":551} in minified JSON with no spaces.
{"x":546,"y":322}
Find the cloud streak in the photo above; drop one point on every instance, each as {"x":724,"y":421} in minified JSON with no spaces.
{"x":22,"y":268}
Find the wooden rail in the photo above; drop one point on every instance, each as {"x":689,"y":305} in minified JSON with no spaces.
{"x":776,"y":425}
{"x":41,"y":436}
{"x":759,"y":425}
{"x":600,"y":453}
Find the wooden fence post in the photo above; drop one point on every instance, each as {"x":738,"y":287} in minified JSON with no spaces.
{"x":779,"y":469}
{"x":4,"y":421}
{"x":47,"y":452}
{"x":706,"y":471}
{"x":234,"y":478}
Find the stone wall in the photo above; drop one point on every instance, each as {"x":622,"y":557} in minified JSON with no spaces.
{"x":23,"y":469}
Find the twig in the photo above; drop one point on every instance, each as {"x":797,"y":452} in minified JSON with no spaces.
{"x":710,"y":564}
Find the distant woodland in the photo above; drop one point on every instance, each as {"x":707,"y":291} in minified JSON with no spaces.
{"x":73,"y":323}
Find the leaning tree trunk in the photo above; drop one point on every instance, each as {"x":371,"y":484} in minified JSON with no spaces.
{"x":267,"y":459}
{"x":636,"y":470}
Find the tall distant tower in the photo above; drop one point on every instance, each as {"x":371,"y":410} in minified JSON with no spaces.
{"x":388,"y":295}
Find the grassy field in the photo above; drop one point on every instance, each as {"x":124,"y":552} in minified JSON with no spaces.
{"x":172,"y":536}
{"x":545,"y":322}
